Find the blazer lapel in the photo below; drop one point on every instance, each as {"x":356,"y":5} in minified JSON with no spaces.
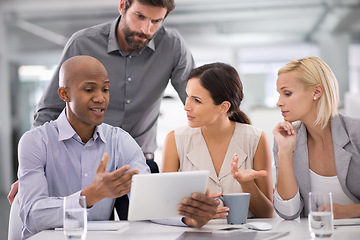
{"x":342,"y":157}
{"x":301,"y":161}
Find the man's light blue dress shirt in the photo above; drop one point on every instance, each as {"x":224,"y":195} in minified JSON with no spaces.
{"x":54,"y":163}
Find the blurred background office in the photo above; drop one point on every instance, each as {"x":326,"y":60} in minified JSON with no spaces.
{"x":255,"y":36}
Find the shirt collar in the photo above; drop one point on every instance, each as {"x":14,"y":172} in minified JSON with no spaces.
{"x":99,"y":131}
{"x":64,"y":127}
{"x":66,"y":131}
{"x":113,"y":45}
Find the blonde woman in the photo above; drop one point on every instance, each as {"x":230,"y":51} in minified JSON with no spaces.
{"x":322,"y":151}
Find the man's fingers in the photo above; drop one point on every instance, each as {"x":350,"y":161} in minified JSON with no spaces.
{"x":200,"y":201}
{"x":103,"y":163}
{"x":123,"y":182}
{"x":124,"y":191}
{"x":195,"y":217}
{"x":116,"y":185}
{"x":13,"y":191}
{"x":10,"y":197}
{"x":193,"y":213}
{"x":198,"y":209}
{"x":204,"y":199}
{"x":118,"y":173}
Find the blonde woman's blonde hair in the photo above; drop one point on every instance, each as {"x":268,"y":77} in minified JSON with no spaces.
{"x":312,"y":71}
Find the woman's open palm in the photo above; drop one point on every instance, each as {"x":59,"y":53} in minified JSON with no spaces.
{"x":244,"y":175}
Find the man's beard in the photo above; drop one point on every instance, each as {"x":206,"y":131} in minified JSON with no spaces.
{"x":130,"y":37}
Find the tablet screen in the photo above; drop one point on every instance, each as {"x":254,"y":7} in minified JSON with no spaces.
{"x":154,"y":196}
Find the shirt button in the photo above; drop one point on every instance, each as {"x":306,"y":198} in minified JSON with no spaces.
{"x":130,"y":57}
{"x":128,"y":101}
{"x":85,"y":174}
{"x":129,"y":79}
{"x":84,"y":147}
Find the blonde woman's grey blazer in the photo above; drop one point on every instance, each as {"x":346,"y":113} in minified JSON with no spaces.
{"x":345,"y":132}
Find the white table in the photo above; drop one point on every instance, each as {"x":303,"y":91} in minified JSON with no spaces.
{"x":298,"y":229}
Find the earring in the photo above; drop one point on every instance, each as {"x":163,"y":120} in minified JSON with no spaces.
{"x":314,"y":98}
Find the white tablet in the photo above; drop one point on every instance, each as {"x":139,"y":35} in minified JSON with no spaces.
{"x":155,"y":196}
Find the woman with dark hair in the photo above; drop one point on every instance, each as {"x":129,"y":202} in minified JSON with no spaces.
{"x":219,"y":138}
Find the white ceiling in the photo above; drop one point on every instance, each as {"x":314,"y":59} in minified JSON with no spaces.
{"x":38,"y":29}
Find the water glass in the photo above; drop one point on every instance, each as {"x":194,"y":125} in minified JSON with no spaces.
{"x":75,"y":217}
{"x":321,"y":217}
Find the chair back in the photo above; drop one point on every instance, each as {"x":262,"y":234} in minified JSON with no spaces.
{"x":15,"y":223}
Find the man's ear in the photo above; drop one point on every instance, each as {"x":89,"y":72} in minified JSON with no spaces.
{"x":122,"y":7}
{"x":64,"y":94}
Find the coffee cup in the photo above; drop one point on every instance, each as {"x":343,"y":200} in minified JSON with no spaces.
{"x":238,"y":204}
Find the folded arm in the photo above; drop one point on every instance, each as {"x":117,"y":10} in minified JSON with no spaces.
{"x":346,"y":211}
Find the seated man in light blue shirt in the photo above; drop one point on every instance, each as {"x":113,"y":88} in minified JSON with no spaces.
{"x":77,"y":154}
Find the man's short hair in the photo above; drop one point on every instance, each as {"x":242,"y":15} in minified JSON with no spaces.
{"x":168,"y":4}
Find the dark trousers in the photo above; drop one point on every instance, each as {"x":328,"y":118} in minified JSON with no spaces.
{"x":122,"y":203}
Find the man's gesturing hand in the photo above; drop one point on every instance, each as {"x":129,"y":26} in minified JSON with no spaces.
{"x":108,"y":185}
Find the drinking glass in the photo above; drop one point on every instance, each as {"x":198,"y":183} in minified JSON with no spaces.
{"x":321,"y":217}
{"x":75,"y":217}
